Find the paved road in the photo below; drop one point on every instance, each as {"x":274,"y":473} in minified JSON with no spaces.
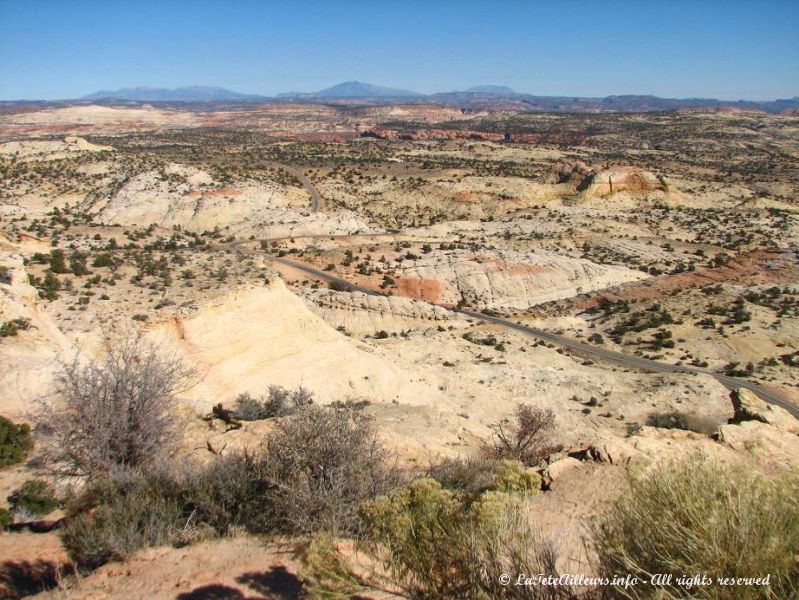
{"x":731,"y":383}
{"x":628,"y":360}
{"x":316,"y":199}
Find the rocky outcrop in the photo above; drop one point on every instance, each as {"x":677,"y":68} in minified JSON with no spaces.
{"x":257,"y":336}
{"x":748,"y":407}
{"x":189,"y":197}
{"x":761,"y":430}
{"x":591,"y":182}
{"x":569,"y":172}
{"x":504,"y":279}
{"x":633,"y":181}
{"x":357,"y":312}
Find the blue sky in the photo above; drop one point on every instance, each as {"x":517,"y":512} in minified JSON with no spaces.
{"x":672,"y":48}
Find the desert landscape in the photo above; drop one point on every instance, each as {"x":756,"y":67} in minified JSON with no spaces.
{"x":631,"y":279}
{"x":399,"y":300}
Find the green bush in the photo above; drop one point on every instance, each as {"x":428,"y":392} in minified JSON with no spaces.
{"x":15,"y":442}
{"x":277,"y":402}
{"x":5,"y":518}
{"x":167,"y":505}
{"x":12,"y":327}
{"x":477,"y":475}
{"x":109,"y":520}
{"x":322,"y":463}
{"x":700,"y":517}
{"x":439,"y":544}
{"x":36,"y":498}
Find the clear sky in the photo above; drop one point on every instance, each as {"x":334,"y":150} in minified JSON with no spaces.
{"x":727,"y":49}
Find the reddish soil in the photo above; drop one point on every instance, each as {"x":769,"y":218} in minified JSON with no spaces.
{"x":760,"y":267}
{"x":429,"y":290}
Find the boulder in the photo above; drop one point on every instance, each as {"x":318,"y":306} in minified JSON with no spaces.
{"x":761,"y":441}
{"x":748,"y":407}
{"x":560,"y":468}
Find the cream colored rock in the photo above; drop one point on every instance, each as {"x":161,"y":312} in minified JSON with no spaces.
{"x":505,"y":279}
{"x":31,"y":358}
{"x":43,"y":150}
{"x":258,"y":336}
{"x":762,"y":441}
{"x":633,"y":181}
{"x":367,"y":314}
{"x":189,"y":197}
{"x":561,"y":467}
{"x":748,"y":407}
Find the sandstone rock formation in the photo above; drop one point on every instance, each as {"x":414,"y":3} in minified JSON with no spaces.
{"x":633,"y":181}
{"x":591,"y":182}
{"x":35,"y":351}
{"x":748,"y":407}
{"x":191,"y":198}
{"x":255,"y":337}
{"x":504,"y":279}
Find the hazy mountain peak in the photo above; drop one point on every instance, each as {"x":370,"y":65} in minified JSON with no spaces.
{"x":359,"y":89}
{"x":500,"y":90}
{"x":186,"y":93}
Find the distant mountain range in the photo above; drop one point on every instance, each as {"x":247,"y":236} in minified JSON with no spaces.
{"x":497,"y":97}
{"x":192,"y":93}
{"x":356,"y":89}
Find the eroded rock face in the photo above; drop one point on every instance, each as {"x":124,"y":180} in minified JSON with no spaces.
{"x":189,"y":197}
{"x":569,"y":172}
{"x":633,"y":181}
{"x":504,"y":279}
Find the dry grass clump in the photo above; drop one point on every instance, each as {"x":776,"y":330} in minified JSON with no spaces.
{"x":435,"y":543}
{"x":702,"y":518}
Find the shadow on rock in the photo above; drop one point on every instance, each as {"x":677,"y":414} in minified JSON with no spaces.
{"x":23,"y":578}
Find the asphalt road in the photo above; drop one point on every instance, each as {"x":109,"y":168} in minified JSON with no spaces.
{"x":316,"y":199}
{"x":627,"y":360}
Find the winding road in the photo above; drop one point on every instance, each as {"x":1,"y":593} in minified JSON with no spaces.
{"x":627,"y":360}
{"x":636,"y":362}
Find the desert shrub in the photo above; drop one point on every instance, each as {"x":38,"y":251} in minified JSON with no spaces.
{"x":323,"y":463}
{"x":5,"y":518}
{"x":702,"y":517}
{"x":277,"y":402}
{"x":671,"y":420}
{"x":113,"y":518}
{"x":12,"y":327}
{"x":681,"y":420}
{"x":170,"y":504}
{"x":526,"y":439}
{"x":470,"y":475}
{"x":477,"y":475}
{"x":422,"y":529}
{"x":327,"y":574}
{"x":227,"y":495}
{"x":117,"y":413}
{"x":35,"y":498}
{"x":15,"y":442}
{"x":439,"y":544}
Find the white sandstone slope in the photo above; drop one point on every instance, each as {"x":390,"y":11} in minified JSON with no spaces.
{"x":506,"y":279}
{"x":41,"y":150}
{"x":255,"y":337}
{"x":362,"y":313}
{"x":189,"y":197}
{"x":31,"y":358}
